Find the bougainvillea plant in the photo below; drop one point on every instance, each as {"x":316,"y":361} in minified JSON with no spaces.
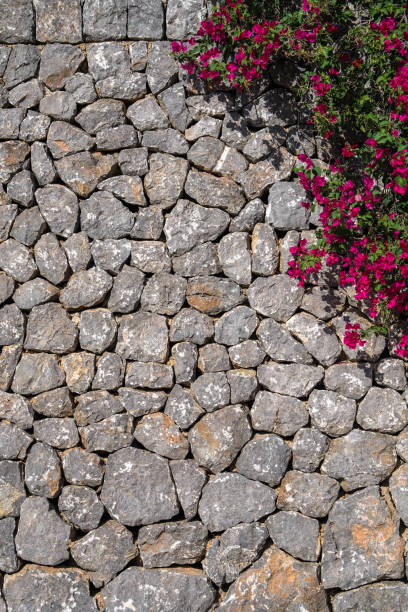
{"x":355,"y":73}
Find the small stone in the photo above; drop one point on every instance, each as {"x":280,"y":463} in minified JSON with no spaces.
{"x":361,"y":542}
{"x":59,"y":105}
{"x":191,"y":326}
{"x":167,"y":544}
{"x":275,"y":168}
{"x":151,"y":375}
{"x":391,"y":373}
{"x":373,"y":597}
{"x":166,"y":141}
{"x":182,"y":21}
{"x":78,"y":251}
{"x":212,"y":391}
{"x":164,"y":293}
{"x":182,"y":408}
{"x":285,"y":210}
{"x":37,"y":372}
{"x":279,"y":343}
{"x":103,"y":216}
{"x":108,"y":435}
{"x":7,"y":215}
{"x":229,"y":499}
{"x":109,"y":372}
{"x":277,"y":296}
{"x":374,"y":345}
{"x":323,"y":302}
{"x":6,"y":287}
{"x":12,"y":156}
{"x":184,"y":356}
{"x":8,"y":558}
{"x":12,"y":492}
{"x":104,"y":552}
{"x":41,"y":164}
{"x":235,"y":258}
{"x":150,"y":256}
{"x":146,"y":114}
{"x":16,"y":409}
{"x":215,"y":192}
{"x":214,"y":104}
{"x":264,"y":458}
{"x":18,"y":22}
{"x":58,"y":21}
{"x":202,"y":260}
{"x":65,"y":139}
{"x":34,"y":127}
{"x":360,"y":459}
{"x":107,"y":59}
{"x":21,"y":188}
{"x":138,"y":55}
{"x":101,"y":115}
{"x":301,"y":140}
{"x":9,"y":357}
{"x":280,"y":414}
{"x":189,"y":480}
{"x":213,"y":358}
{"x":243,"y":385}
{"x":133,"y":161}
{"x":21,"y":66}
{"x":139,"y":403}
{"x":82,"y":468}
{"x":81,"y":87}
{"x":127,"y":188}
{"x":311,"y":494}
{"x":81,"y":507}
{"x":58,"y":63}
{"x":398,"y":489}
{"x":265,"y":253}
{"x":13,"y":441}
{"x":10,"y":120}
{"x":126,"y":291}
{"x":50,"y":259}
{"x":383,"y":410}
{"x":42,"y":536}
{"x":95,"y":406}
{"x":161,"y":69}
{"x":296,"y":534}
{"x":143,"y":336}
{"x":274,"y":108}
{"x":49,"y":328}
{"x":349,"y":379}
{"x":110,"y":254}
{"x":263,"y":143}
{"x":79,"y":371}
{"x":173,"y":102}
{"x":28,"y":226}
{"x":55,"y":403}
{"x":12,"y":325}
{"x":125,"y":86}
{"x":308,"y":449}
{"x":158,"y":433}
{"x":97,"y":330}
{"x":247,"y":354}
{"x":115,"y":138}
{"x":26,"y":95}
{"x":290,"y":379}
{"x":145,"y":20}
{"x":207,"y":126}
{"x":331,"y":413}
{"x":104,"y":19}
{"x":213,"y":295}
{"x":217,"y":438}
{"x":85,"y":289}
{"x":318,"y":338}
{"x":165,"y":180}
{"x":205,"y":153}
{"x":57,"y":432}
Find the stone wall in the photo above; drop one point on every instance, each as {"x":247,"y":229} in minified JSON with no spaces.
{"x":183,"y":428}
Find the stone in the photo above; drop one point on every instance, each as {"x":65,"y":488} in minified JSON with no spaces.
{"x":101,"y":115}
{"x":158,"y":433}
{"x":277,"y":296}
{"x":349,"y":379}
{"x":145,"y":20}
{"x":279,"y":343}
{"x":14,"y":442}
{"x":243,"y":385}
{"x":391,"y":373}
{"x":202,"y":260}
{"x":109,"y":372}
{"x":183,"y":20}
{"x":189,"y":225}
{"x":12,"y":492}
{"x":95,"y":406}
{"x":150,"y":256}
{"x":58,"y":63}
{"x":265,"y":252}
{"x":108,"y":435}
{"x":213,"y":295}
{"x":4,"y":55}
{"x":10,"y":121}
{"x":81,"y":87}
{"x":301,"y":140}
{"x":107,"y":59}
{"x":383,"y":410}
{"x":41,"y":164}
{"x":296,"y":534}
{"x":42,"y":536}
{"x":215,"y":192}
{"x":182,"y":408}
{"x":276,"y":167}
{"x":398,"y":490}
{"x":235,"y":257}
{"x":18,"y":22}
{"x":125,"y":86}
{"x":8,"y":214}
{"x":21,"y":188}
{"x":54,"y":403}
{"x":138,"y":489}
{"x":50,"y":259}
{"x":146,"y":114}
{"x":12,"y":156}
{"x":115,"y":138}
{"x":284,"y":210}
{"x":218,"y":437}
{"x":138,"y":55}
{"x":85,"y":289}
{"x":126,"y":290}
{"x":361,"y":542}
{"x":59,"y":105}
{"x":206,"y":126}
{"x":264,"y":142}
{"x":104,"y":19}
{"x":28,"y":226}
{"x":6,"y":287}
{"x":21,"y":66}
{"x":8,"y":558}
{"x":323,"y":302}
{"x":311,"y":494}
{"x":164,"y":293}
{"x":78,"y":251}
{"x":127,"y":188}
{"x":184,"y":356}
{"x":97,"y":330}
{"x":246,"y":354}
{"x":9,"y":357}
{"x":291,"y":239}
{"x":373,"y":597}
{"x":161,"y":68}
{"x":402,"y":444}
{"x":57,"y":432}
{"x":331,"y":413}
{"x":138,"y":403}
{"x":133,"y":161}
{"x":37,"y":372}
{"x":289,"y":379}
{"x":177,"y":589}
{"x":189,"y":480}
{"x":319,"y":339}
{"x":166,"y":141}
{"x":34,"y":127}
{"x":12,"y":325}
{"x":211,"y":390}
{"x":274,"y":108}
{"x":58,"y":21}
{"x":205,"y":153}
{"x":213,"y":358}
{"x":213,"y":104}
{"x":229,"y":499}
{"x":191,"y":326}
{"x":81,"y":507}
{"x":276,"y":581}
{"x":165,"y":180}
{"x":280,"y":414}
{"x":308,"y":449}
{"x":143,"y":336}
{"x":167,"y":544}
{"x":235,"y":131}
{"x":374,"y":345}
{"x":82,"y":468}
{"x":264,"y":458}
{"x":16,"y":409}
{"x":360,"y":459}
{"x":105,"y":551}
{"x":79,"y":371}
{"x":152,"y":375}
{"x":65,"y":139}
{"x":110,"y":255}
{"x":49,"y":328}
{"x":173,"y":102}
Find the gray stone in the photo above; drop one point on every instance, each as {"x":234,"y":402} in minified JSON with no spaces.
{"x":104,"y":19}
{"x":95,"y":406}
{"x":151,"y":375}
{"x":280,"y":345}
{"x":133,"y":161}
{"x":97,"y":330}
{"x":18,"y":22}
{"x":46,"y":586}
{"x":361,"y":542}
{"x":4,"y":55}
{"x":82,"y":468}
{"x":349,"y":379}
{"x":85,"y":289}
{"x":6,"y":287}
{"x":235,"y":131}
{"x":12,"y":156}
{"x":265,"y":251}
{"x":42,"y":536}
{"x":9,"y":357}
{"x":311,"y":494}
{"x":215,"y":192}
{"x":231,"y":553}
{"x":104,"y":551}
{"x":373,"y":598}
{"x":37,"y":372}
{"x":191,"y":326}
{"x":201,"y":260}
{"x":211,"y":390}
{"x":127,"y":188}
{"x":8,"y":558}
{"x":65,"y":139}
{"x":276,"y":167}
{"x":54,"y":403}
{"x":374,"y":344}
{"x":319,"y":339}
{"x":301,"y":140}
{"x":21,"y":188}
{"x":173,"y":102}
{"x":110,"y":255}
{"x":49,"y":328}
{"x":161,"y":69}
{"x":79,"y":371}
{"x":16,"y":409}
{"x":145,"y":20}
{"x":175,"y":589}
{"x":360,"y":459}
{"x":144,"y":337}
{"x":296,"y":534}
{"x":207,"y":126}
{"x":115,"y":138}
{"x":126,"y":290}
{"x":34,"y":126}
{"x":285,"y":211}
{"x":109,"y":435}
{"x":81,"y":87}
{"x":10,"y":121}
{"x":189,"y":480}
{"x":243,"y":385}
{"x":323,"y":302}
{"x":78,"y":251}
{"x":277,"y":296}
{"x":138,"y":489}
{"x":101,"y":115}
{"x":58,"y":21}
{"x":107,"y":59}
{"x":12,"y":325}
{"x":214,"y":104}
{"x":391,"y":373}
{"x":14,"y":442}
{"x":182,"y":408}
{"x":213,"y":358}
{"x":264,"y":458}
{"x":8,"y":214}
{"x":164,"y":293}
{"x":166,"y":141}
{"x":229,"y":499}
{"x":12,"y":492}
{"x":109,"y":372}
{"x":41,"y":164}
{"x":138,"y":403}
{"x":274,"y":108}
{"x":206,"y":152}
{"x":50,"y":259}
{"x":146,"y":114}
{"x":138,"y":55}
{"x":213,"y":295}
{"x":59,"y":105}
{"x":81,"y":507}
{"x":331,"y":413}
{"x":398,"y":490}
{"x":235,"y":258}
{"x":28,"y":226}
{"x":58,"y":63}
{"x":21,"y":66}
{"x":290,"y":379}
{"x":308,"y":449}
{"x":57,"y":432}
{"x":217,"y":438}
{"x":158,"y":433}
{"x":149,"y":224}
{"x":167,"y":544}
{"x":165,"y":180}
{"x":184,"y":356}
{"x":125,"y":86}
{"x":280,"y":414}
{"x":263,"y":143}
{"x":247,"y":354}
{"x":383,"y":410}
{"x":150,"y":256}
{"x":183,"y":19}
